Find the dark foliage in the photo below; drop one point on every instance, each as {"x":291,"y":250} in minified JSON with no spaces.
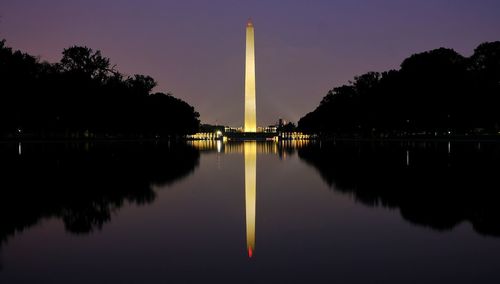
{"x":434,"y":93}
{"x":289,"y":127}
{"x":433,"y":184}
{"x":84,"y":183}
{"x":83,"y":96}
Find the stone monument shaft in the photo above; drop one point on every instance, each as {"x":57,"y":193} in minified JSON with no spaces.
{"x":250,"y":109}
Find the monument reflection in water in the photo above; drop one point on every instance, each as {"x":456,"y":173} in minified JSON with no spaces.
{"x":338,"y":211}
{"x":250,"y":152}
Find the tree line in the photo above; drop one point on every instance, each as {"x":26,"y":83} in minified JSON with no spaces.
{"x":102,"y":178}
{"x":434,"y":93}
{"x":84,"y":96}
{"x":427,"y":185}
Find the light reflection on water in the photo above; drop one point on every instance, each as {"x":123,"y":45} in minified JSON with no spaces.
{"x":250,"y":152}
{"x":346,"y":212}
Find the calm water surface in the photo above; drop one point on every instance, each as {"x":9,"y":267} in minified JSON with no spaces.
{"x":345,"y":212}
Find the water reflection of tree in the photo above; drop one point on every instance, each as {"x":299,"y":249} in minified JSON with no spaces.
{"x":83,"y":184}
{"x":437,"y":185}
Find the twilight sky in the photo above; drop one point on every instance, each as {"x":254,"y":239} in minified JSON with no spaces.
{"x":195,"y":48}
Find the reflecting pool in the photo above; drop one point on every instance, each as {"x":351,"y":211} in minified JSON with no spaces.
{"x":250,"y":212}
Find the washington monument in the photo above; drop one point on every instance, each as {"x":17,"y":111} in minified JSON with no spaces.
{"x":250,"y":113}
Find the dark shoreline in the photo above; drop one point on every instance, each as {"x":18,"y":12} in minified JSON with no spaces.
{"x":414,"y":139}
{"x":325,"y":139}
{"x":90,"y":140}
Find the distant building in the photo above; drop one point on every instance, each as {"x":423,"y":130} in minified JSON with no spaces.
{"x":230,"y":129}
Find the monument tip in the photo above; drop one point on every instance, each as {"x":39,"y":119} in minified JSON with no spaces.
{"x":249,"y":22}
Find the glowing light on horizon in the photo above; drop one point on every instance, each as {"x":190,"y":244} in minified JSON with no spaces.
{"x":250,"y":152}
{"x":250,"y":106}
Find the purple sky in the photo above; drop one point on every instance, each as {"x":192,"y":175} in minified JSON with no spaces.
{"x":195,"y":48}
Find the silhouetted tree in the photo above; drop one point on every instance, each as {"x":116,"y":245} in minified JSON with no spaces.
{"x":141,"y":85}
{"x":83,"y":96}
{"x":168,"y":115}
{"x":85,"y":61}
{"x":84,"y":183}
{"x":428,"y":185}
{"x":289,"y":127}
{"x":434,"y":93}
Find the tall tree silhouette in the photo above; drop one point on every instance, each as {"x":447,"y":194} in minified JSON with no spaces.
{"x":437,"y":92}
{"x":83,"y":60}
{"x":83,"y":96}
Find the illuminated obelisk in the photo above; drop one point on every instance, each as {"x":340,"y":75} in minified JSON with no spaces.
{"x":250,"y":152}
{"x":250,"y":112}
